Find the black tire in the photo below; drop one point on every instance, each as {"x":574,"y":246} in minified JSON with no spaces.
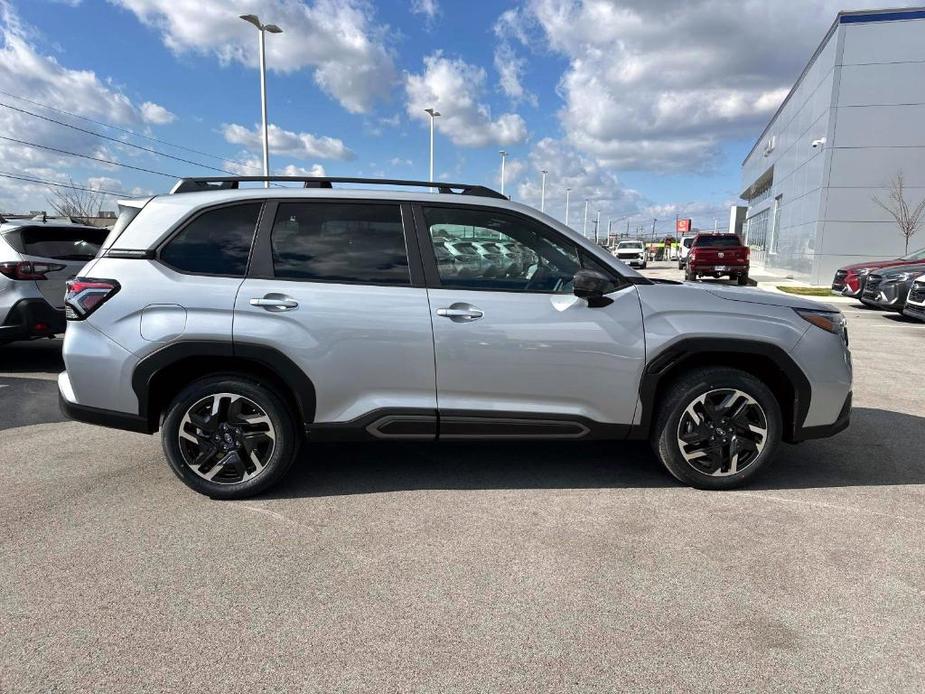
{"x":714,"y":381}
{"x":279,"y":455}
{"x":689,"y":275}
{"x":742,"y":280}
{"x":643,"y":266}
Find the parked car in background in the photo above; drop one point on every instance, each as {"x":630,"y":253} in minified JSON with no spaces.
{"x":850,"y":280}
{"x":631,"y":252}
{"x":241,"y":321}
{"x":717,"y":255}
{"x":684,"y":249}
{"x":888,"y":288}
{"x":915,"y":300}
{"x":36,"y":260}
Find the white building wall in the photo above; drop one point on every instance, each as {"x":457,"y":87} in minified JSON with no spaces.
{"x":865,"y":93}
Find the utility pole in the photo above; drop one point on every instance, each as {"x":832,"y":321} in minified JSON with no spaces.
{"x":543,"y":192}
{"x":262,"y":29}
{"x":653,"y":228}
{"x":597,"y":225}
{"x":434,"y":114}
{"x":567,"y":193}
{"x":584,"y":226}
{"x":503,"y":157}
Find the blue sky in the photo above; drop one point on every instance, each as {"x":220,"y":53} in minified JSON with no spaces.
{"x":646,"y":107}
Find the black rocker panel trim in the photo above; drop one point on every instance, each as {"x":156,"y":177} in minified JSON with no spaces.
{"x":104,"y":418}
{"x":688,"y":348}
{"x":270,"y":359}
{"x":381,"y":424}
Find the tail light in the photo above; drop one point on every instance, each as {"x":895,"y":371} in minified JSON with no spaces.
{"x":84,"y":295}
{"x":28,"y":270}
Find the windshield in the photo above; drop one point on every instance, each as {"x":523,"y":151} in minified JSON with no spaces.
{"x":717,"y":242}
{"x":916,"y":255}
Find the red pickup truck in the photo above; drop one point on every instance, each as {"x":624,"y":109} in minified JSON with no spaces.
{"x":715,"y":255}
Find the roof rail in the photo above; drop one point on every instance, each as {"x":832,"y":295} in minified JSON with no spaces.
{"x":199,"y":184}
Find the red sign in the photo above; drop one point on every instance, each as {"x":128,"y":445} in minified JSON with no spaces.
{"x":682,"y":226}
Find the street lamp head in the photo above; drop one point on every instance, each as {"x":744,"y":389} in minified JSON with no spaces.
{"x":544,"y":171}
{"x":433,"y":112}
{"x":253,"y":19}
{"x":273,"y":29}
{"x":502,"y":153}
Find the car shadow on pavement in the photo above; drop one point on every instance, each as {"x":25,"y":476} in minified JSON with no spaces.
{"x":36,"y":356}
{"x":880,"y":448}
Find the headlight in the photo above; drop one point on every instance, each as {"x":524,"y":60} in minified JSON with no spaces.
{"x":830,"y":321}
{"x":903,"y":276}
{"x":863,"y":272}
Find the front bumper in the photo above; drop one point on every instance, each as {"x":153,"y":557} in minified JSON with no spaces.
{"x":633,"y":261}
{"x":916,"y":311}
{"x":826,"y":430}
{"x":887,"y":295}
{"x":31,"y":318}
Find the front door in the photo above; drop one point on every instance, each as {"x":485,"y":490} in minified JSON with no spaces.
{"x":330,"y":287}
{"x":513,"y":345}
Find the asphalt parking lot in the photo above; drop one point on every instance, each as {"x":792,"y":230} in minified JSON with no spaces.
{"x":411,"y":567}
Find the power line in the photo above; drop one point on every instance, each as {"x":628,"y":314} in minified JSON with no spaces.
{"x":116,"y":140}
{"x":87,"y":156}
{"x":121,"y":129}
{"x":41,"y":181}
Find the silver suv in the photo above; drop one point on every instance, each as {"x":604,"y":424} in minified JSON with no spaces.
{"x":240,"y":321}
{"x":37,"y":257}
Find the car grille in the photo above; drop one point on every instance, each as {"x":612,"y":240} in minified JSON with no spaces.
{"x":839,"y":282}
{"x":870,"y":288}
{"x":917,"y":293}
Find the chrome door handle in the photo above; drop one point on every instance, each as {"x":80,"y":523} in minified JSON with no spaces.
{"x":460,"y":313}
{"x":275,"y":302}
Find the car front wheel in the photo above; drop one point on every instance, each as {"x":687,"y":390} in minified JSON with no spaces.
{"x":229,"y":437}
{"x":717,"y":428}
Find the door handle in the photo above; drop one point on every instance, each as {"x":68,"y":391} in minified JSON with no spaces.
{"x":460,"y":313}
{"x":275,"y":302}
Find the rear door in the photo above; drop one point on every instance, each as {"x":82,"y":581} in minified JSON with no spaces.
{"x":67,"y":248}
{"x":518,"y":354}
{"x":332,"y":287}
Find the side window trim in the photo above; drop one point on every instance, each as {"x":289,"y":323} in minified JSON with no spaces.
{"x":428,"y":257}
{"x":261,"y":264}
{"x":184,"y":223}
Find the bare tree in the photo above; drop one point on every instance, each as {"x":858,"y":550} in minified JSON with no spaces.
{"x":75,"y":202}
{"x":908,"y":217}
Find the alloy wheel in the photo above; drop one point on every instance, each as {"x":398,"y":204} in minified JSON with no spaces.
{"x":226,"y":438}
{"x":722,"y":432}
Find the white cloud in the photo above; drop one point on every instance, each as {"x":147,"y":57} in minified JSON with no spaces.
{"x":429,"y":8}
{"x":156,"y":114}
{"x":288,"y":143}
{"x":41,"y":78}
{"x":455,"y":88}
{"x":569,"y":169}
{"x":293,"y":170}
{"x":659,"y":84}
{"x":510,"y":69}
{"x":337,"y":39}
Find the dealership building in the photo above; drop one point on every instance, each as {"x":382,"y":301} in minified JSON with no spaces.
{"x":853,"y":120}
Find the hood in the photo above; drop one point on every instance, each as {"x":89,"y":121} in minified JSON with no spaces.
{"x":759,"y":296}
{"x":874,"y":264}
{"x":897,"y":269}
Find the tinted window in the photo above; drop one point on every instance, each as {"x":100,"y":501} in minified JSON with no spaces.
{"x":59,"y":243}
{"x":537,"y":261}
{"x":353,"y":243}
{"x":717,"y":242}
{"x":217,"y":242}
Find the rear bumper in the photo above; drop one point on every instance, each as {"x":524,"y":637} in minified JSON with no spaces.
{"x":96,"y":415}
{"x":727,"y":269}
{"x":32,"y":318}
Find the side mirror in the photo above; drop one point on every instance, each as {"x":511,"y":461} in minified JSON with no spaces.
{"x":591,"y":285}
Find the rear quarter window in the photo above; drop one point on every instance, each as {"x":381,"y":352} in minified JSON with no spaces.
{"x":216,"y":242}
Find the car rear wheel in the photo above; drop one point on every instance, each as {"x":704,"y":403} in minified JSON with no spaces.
{"x":742,"y":280}
{"x":229,"y":437}
{"x":717,"y":428}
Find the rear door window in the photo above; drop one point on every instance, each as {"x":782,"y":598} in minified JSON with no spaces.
{"x":351,"y":243}
{"x":217,"y":242}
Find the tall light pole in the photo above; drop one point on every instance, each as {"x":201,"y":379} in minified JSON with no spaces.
{"x":568,"y":192}
{"x":597,"y":225}
{"x":262,"y":29}
{"x":584,"y":226}
{"x":434,"y":114}
{"x":503,"y":157}
{"x":543,"y":192}
{"x":653,"y":228}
